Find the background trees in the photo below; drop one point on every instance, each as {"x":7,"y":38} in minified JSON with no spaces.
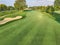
{"x":57,"y":4}
{"x":20,"y":4}
{"x":10,"y":8}
{"x":50,"y":9}
{"x":3,"y":7}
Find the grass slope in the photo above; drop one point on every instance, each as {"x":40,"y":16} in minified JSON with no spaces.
{"x":35,"y":29}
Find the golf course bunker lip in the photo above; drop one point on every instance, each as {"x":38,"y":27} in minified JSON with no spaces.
{"x":10,"y":19}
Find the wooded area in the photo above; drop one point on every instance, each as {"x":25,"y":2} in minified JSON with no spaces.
{"x":21,"y":4}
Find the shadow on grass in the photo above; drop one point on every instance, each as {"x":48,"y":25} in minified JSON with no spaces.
{"x":56,"y":16}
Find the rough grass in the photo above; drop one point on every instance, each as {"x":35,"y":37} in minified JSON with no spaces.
{"x":11,"y":14}
{"x":3,"y":13}
{"x":36,"y":29}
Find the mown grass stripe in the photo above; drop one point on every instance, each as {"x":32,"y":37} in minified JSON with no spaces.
{"x":38,"y":38}
{"x":22,"y":28}
{"x":22,"y":34}
{"x":20,"y":22}
{"x":30,"y":35}
{"x":57,"y":33}
{"x":14,"y":28}
{"x":50,"y":38}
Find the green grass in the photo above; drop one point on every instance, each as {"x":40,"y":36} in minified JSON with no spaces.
{"x":35,"y":29}
{"x":13,"y":13}
{"x":3,"y":13}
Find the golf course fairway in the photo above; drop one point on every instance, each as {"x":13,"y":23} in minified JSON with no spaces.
{"x":35,"y":29}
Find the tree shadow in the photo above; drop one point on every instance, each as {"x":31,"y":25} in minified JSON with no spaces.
{"x":56,"y":16}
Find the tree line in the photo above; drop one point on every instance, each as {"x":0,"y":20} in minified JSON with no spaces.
{"x":21,"y":5}
{"x":3,"y":7}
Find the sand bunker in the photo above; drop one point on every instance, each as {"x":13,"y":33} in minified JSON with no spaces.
{"x":9,"y":19}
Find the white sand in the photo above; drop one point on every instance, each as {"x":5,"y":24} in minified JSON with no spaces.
{"x":9,"y":19}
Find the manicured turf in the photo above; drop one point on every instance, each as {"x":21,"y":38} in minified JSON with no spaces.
{"x":35,"y":29}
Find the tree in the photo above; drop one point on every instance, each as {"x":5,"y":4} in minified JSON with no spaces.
{"x":50,"y":9}
{"x":43,"y":8}
{"x":20,"y":4}
{"x":10,"y":8}
{"x":57,"y":4}
{"x":3,"y":7}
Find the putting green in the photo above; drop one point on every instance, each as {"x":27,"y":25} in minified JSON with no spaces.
{"x":36,"y":29}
